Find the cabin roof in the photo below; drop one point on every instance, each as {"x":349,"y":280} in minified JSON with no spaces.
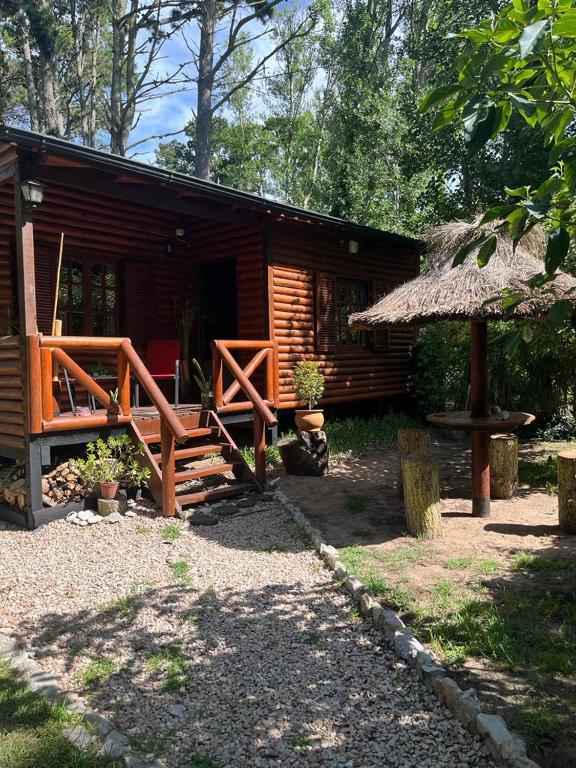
{"x":81,"y":155}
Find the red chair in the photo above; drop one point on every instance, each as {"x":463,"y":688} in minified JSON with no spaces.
{"x":163,"y":362}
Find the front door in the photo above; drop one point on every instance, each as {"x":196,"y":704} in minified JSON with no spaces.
{"x":218,"y":303}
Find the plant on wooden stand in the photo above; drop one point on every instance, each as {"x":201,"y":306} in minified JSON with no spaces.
{"x":109,"y":463}
{"x":309,"y":384}
{"x":204,"y":384}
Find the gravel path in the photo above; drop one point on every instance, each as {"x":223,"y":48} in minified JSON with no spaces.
{"x":246,"y":656}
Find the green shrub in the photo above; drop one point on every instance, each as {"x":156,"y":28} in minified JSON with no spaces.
{"x":308,"y":382}
{"x":111,"y":461}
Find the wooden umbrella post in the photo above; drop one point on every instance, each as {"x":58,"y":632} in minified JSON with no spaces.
{"x":479,"y":408}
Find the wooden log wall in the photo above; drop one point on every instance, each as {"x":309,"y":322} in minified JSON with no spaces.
{"x":7,"y":287}
{"x":12,"y":417}
{"x":351,"y":374}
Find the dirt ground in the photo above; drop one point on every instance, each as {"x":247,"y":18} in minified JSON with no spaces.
{"x":357,"y":504}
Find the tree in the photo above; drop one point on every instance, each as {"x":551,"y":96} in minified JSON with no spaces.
{"x":214,"y":90}
{"x":522,"y":64}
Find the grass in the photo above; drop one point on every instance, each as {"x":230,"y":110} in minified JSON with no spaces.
{"x":143,"y":529}
{"x":488,"y":566}
{"x":31,"y":730}
{"x":272,"y":455}
{"x":539,"y":474}
{"x":123,"y":607}
{"x":399,"y":559}
{"x":530,"y":563}
{"x":356,"y":504}
{"x":196,"y":760}
{"x":171,"y":663}
{"x":172,"y":532}
{"x":355,"y":436}
{"x":457,"y":563}
{"x":181,"y":571}
{"x":97,"y":672}
{"x":275,"y":549}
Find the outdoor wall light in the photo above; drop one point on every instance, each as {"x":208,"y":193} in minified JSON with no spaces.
{"x":352,"y":246}
{"x":32,"y":195}
{"x":180,"y":232}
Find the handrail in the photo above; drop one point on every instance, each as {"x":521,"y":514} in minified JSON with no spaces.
{"x":154,"y":392}
{"x":245,"y":384}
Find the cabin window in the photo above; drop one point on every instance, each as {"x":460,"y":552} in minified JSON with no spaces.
{"x":88,"y":298}
{"x":352,"y":296}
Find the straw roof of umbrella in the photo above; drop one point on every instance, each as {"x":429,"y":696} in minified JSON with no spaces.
{"x":443,"y":292}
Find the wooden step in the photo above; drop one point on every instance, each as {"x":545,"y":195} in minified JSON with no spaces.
{"x":236,"y":489}
{"x":192,"y":434}
{"x":208,"y":471}
{"x":190,"y":453}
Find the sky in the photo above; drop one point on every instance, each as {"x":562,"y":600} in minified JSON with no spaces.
{"x":173,"y":111}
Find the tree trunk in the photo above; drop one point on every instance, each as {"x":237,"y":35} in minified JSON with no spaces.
{"x":203,"y":137}
{"x":567,"y":491}
{"x":421,"y":480}
{"x":410,"y":441}
{"x":307,"y":454}
{"x":503,"y":466}
{"x":30,"y":81}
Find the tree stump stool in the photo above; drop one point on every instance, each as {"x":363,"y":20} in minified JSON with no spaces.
{"x":567,"y":491}
{"x":306,"y":454}
{"x":410,"y":441}
{"x":503,"y":465}
{"x":421,"y":482}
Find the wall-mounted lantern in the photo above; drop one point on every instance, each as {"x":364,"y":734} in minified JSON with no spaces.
{"x":32,"y":195}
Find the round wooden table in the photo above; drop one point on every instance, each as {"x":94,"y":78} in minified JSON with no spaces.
{"x":481,"y":428}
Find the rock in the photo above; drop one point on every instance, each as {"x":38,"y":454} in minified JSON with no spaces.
{"x":501,"y":744}
{"x":130,"y":513}
{"x":114,"y":746}
{"x":177,"y":710}
{"x":113,"y":517}
{"x":340,"y":570}
{"x":448,"y":690}
{"x":274,"y":482}
{"x":389,"y":622}
{"x":467,"y":707}
{"x":79,"y":737}
{"x":354,"y":586}
{"x":329,"y":555}
{"x":203,"y":518}
{"x":246,"y":503}
{"x":111,"y":506}
{"x":225,"y":510}
{"x":101,"y":725}
{"x":406,"y":646}
{"x":85,"y":514}
{"x":367,"y":603}
{"x":427,"y":673}
{"x":77,"y":521}
{"x":94,"y":519}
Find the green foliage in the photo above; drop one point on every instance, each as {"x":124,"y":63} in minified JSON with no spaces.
{"x":539,"y":474}
{"x":308,"y":382}
{"x":171,"y":532}
{"x":536,"y":376}
{"x":355,"y":436}
{"x":458,"y":562}
{"x":31,"y":730}
{"x":181,"y":571}
{"x":522,"y":62}
{"x":98,"y":671}
{"x":170,"y":663}
{"x":271,"y":454}
{"x":113,"y":460}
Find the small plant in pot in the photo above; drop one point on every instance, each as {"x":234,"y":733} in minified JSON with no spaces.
{"x":309,"y":384}
{"x":110,"y":463}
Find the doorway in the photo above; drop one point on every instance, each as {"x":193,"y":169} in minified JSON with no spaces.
{"x":218,"y":302}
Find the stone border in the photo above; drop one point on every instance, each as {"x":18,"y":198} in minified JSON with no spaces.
{"x":506,"y":748}
{"x":112,"y":743}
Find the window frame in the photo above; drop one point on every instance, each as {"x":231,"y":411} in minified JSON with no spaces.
{"x":88,"y":309}
{"x":349,"y":346}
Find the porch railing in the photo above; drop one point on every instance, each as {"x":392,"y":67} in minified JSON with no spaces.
{"x":266,"y":353}
{"x":48,"y":352}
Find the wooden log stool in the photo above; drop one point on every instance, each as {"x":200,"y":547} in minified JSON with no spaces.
{"x":410,"y":441}
{"x":306,"y":454}
{"x":421,"y":482}
{"x":503,"y":465}
{"x":567,"y":491}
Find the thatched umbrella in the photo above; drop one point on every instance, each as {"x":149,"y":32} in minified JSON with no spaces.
{"x":443,"y":292}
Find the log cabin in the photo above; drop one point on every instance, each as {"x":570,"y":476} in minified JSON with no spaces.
{"x":260,"y":283}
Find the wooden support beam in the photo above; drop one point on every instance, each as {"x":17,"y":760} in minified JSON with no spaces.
{"x":168,"y":471}
{"x":25,"y":265}
{"x":479,"y":407}
{"x":259,"y":448}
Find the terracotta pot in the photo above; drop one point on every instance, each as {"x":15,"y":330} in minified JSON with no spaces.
{"x":310,"y":420}
{"x":108,"y":490}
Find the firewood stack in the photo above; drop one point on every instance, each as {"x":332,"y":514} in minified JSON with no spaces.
{"x":59,"y":486}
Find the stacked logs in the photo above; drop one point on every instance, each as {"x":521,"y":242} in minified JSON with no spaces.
{"x":62,"y":485}
{"x":13,"y":485}
{"x":59,"y":486}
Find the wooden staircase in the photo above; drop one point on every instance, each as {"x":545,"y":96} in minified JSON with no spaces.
{"x":206,"y":466}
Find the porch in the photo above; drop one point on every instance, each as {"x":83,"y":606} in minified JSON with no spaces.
{"x":179,"y":444}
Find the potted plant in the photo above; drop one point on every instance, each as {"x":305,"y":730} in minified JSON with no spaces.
{"x":110,"y":463}
{"x":309,"y":384}
{"x":204,"y":384}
